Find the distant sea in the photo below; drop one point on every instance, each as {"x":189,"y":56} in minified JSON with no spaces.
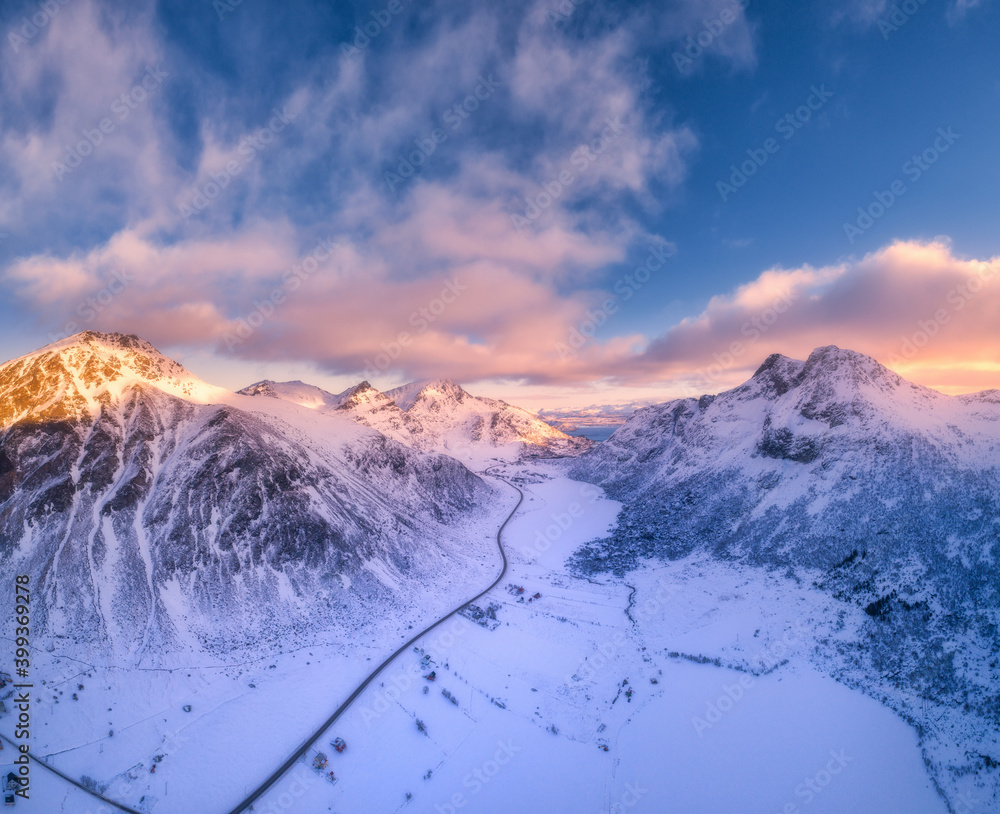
{"x":598,"y":433}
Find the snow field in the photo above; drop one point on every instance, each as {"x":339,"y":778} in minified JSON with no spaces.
{"x":537,"y":698}
{"x":526,"y":735}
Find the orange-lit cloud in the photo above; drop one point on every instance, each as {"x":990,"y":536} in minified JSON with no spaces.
{"x":932,"y":316}
{"x":494,"y":315}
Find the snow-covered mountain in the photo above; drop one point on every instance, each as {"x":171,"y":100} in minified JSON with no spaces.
{"x":436,"y":416}
{"x":155,"y":511}
{"x":882,"y":493}
{"x":808,"y":461}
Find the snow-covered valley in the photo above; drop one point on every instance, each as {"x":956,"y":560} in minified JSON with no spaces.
{"x":537,"y":695}
{"x":705,"y":613}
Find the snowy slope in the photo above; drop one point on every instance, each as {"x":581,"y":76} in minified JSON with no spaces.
{"x":888,"y":490}
{"x":534,"y":698}
{"x":155,"y":512}
{"x":809,"y":460}
{"x":436,"y":416}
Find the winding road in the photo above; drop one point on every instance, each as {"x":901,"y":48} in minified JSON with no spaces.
{"x":38,"y":761}
{"x":278,"y":773}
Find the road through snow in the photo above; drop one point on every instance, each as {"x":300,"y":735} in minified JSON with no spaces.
{"x":311,"y":741}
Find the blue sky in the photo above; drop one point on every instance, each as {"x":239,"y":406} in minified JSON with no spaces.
{"x":537,"y":199}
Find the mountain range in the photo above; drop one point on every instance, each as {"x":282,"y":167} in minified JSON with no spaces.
{"x":838,"y":472}
{"x":158,"y":513}
{"x":154,"y":511}
{"x":436,"y":416}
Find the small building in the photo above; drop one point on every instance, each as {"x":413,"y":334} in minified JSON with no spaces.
{"x":11,"y":782}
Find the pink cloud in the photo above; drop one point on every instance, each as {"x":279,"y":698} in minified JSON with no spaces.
{"x":932,"y":316}
{"x":929,"y":314}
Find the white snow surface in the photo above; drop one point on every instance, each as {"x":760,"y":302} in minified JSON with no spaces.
{"x":707,"y":678}
{"x":157,"y":514}
{"x":537,"y":697}
{"x":436,"y":416}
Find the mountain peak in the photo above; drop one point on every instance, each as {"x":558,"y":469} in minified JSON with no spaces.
{"x":829,"y":367}
{"x":265,"y":387}
{"x":363,"y":393}
{"x":298,"y":392}
{"x":112,"y":340}
{"x":434,"y":415}
{"x":833,"y":363}
{"x":71,"y":378}
{"x":427,"y":390}
{"x":777,"y":375}
{"x":832,"y":356}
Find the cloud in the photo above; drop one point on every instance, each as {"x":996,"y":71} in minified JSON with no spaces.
{"x":720,"y":27}
{"x":959,"y":8}
{"x":867,"y":13}
{"x":488,"y":304}
{"x":171,"y":294}
{"x":916,"y":306}
{"x":205,"y":228}
{"x":84,"y":69}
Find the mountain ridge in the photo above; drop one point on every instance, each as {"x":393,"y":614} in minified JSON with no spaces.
{"x":838,"y":473}
{"x":155,"y":512}
{"x":435,"y":415}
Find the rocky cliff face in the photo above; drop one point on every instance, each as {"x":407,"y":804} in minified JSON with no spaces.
{"x":155,"y":511}
{"x":806,"y":462}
